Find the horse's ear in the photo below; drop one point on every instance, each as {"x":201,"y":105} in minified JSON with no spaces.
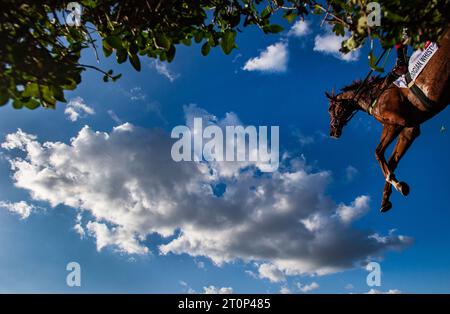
{"x":328,"y":95}
{"x":332,"y":93}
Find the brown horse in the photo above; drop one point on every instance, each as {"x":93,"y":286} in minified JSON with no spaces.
{"x":399,"y":111}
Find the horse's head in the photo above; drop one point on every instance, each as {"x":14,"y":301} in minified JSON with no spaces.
{"x":341,"y":110}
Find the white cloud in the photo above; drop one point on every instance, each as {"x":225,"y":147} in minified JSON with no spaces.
{"x":79,"y":227}
{"x":206,"y":290}
{"x":217,"y":290}
{"x":358,"y":208}
{"x":273,"y":59}
{"x":330,"y":43}
{"x":77,"y":108}
{"x":200,"y":264}
{"x":163,"y":69}
{"x":285,"y":290}
{"x":127,"y":185}
{"x":118,"y":237}
{"x":300,"y":28}
{"x":302,"y":138}
{"x":308,"y":288}
{"x":136,"y":94}
{"x":22,"y":208}
{"x":114,"y":117}
{"x":271,"y":272}
{"x":391,"y":291}
{"x":186,"y":287}
{"x":251,"y":274}
{"x":350,"y":173}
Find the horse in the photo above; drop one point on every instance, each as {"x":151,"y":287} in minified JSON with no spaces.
{"x":399,"y":110}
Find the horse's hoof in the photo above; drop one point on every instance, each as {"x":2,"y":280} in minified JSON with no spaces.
{"x":404,"y":188}
{"x":386,"y":206}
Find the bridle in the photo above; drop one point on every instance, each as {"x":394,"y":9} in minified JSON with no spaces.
{"x":336,"y":120}
{"x":340,"y":120}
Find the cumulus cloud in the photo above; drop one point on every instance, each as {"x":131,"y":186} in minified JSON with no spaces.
{"x":79,"y":227}
{"x":391,"y":291}
{"x":271,"y":272}
{"x":186,"y":287}
{"x":285,"y":290}
{"x":300,"y":28}
{"x":22,"y":208}
{"x":273,"y":59}
{"x":358,"y":208}
{"x":217,"y":290}
{"x":330,"y":43}
{"x":162,"y":69}
{"x":117,"y":237}
{"x":77,"y":108}
{"x":206,"y":290}
{"x":127,"y":187}
{"x":308,"y":287}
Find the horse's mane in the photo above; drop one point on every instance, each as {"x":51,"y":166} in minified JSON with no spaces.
{"x":357,"y":83}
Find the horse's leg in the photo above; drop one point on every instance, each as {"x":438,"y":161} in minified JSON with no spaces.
{"x":406,"y":138}
{"x":389,"y":133}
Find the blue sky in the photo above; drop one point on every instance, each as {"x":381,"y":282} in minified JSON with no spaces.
{"x":121,"y":251}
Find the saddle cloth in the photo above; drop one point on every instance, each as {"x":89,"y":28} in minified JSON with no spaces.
{"x":417,"y":63}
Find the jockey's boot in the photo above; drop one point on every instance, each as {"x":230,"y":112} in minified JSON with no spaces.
{"x":401,"y":65}
{"x":400,"y":68}
{"x":392,"y":76}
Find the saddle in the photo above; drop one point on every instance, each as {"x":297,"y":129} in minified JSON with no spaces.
{"x":417,"y":63}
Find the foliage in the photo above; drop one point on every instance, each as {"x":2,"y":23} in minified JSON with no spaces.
{"x":40,"y":53}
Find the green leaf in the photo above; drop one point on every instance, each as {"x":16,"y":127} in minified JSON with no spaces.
{"x":58,"y":93}
{"x":31,"y":90}
{"x":362,"y":25}
{"x":339,"y":30}
{"x":349,"y":44}
{"x":273,"y":28}
{"x":186,"y":41}
{"x":266,"y":12}
{"x":162,"y":41}
{"x":135,"y":62}
{"x":115,"y":78}
{"x":70,"y":84}
{"x":32,"y":104}
{"x":198,"y":37}
{"x":227,"y":43}
{"x":205,"y":49}
{"x":114,"y":42}
{"x":133,"y":48}
{"x":47,"y":96}
{"x":171,"y":53}
{"x":17,"y":104}
{"x":121,"y":55}
{"x":107,"y":50}
{"x":290,"y":16}
{"x":4,"y":97}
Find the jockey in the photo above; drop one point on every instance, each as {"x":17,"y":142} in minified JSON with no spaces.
{"x":401,"y":64}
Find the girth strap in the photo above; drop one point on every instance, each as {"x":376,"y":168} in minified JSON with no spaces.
{"x":427,"y":102}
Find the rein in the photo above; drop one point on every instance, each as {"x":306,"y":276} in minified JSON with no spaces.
{"x":357,"y":94}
